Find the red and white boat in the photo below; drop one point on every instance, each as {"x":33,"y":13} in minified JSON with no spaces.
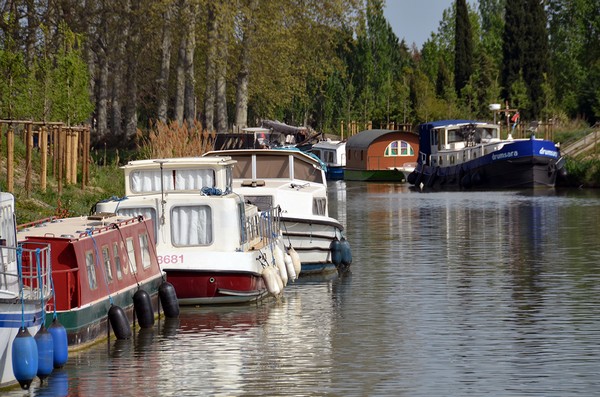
{"x":99,"y":263}
{"x":214,"y":247}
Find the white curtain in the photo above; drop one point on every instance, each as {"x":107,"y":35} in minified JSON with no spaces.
{"x":145,"y":181}
{"x":191,"y":225}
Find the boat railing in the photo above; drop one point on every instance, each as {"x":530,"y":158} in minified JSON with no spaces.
{"x":33,"y":270}
{"x":263,"y":227}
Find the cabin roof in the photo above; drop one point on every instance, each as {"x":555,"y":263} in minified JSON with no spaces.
{"x":426,"y":127}
{"x":264,"y":152}
{"x":364,"y":138}
{"x":329,"y":144}
{"x":180,"y":162}
{"x":72,"y":228}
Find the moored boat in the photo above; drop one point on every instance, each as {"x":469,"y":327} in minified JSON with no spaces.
{"x":295,"y":182}
{"x":213,"y":246}
{"x":333,"y":155}
{"x":25,"y":286}
{"x":471,"y":154}
{"x":99,"y":264}
{"x":380,"y":155}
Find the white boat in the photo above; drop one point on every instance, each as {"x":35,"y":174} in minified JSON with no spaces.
{"x":295,"y":182}
{"x":213,"y":247}
{"x":333,"y":154}
{"x":25,"y":285}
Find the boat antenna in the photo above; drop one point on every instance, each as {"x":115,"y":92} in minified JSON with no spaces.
{"x":162,"y":192}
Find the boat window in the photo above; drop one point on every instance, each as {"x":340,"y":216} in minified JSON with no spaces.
{"x":329,"y":156}
{"x":399,"y":148}
{"x":272,"y":167}
{"x":106,"y":259}
{"x":145,"y":250}
{"x":454,"y":136}
{"x":307,"y":172}
{"x":117,"y":259}
{"x":131,"y":255}
{"x":146,"y":212}
{"x":191,"y":225}
{"x":229,"y":178}
{"x":145,"y":181}
{"x":91,"y":269}
{"x":319,"y":206}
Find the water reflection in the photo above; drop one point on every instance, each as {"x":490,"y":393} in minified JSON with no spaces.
{"x":449,"y":293}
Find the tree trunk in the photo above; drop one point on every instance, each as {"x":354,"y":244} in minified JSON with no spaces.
{"x":180,"y":87}
{"x":31,"y":32}
{"x":222,"y":124}
{"x":165,"y":67}
{"x":117,"y":92}
{"x":133,"y":49}
{"x":190,"y":83}
{"x":243,"y":77}
{"x":102,"y":106}
{"x":209,"y":95}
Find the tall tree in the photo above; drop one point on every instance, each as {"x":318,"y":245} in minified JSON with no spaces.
{"x":210,"y":68}
{"x":189,"y":109}
{"x":248,"y":31}
{"x":225,"y":24}
{"x":463,"y":47}
{"x":513,"y":39}
{"x":165,"y":65}
{"x":535,"y":56}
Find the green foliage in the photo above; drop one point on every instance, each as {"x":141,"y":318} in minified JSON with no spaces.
{"x":13,"y":85}
{"x":583,"y":173}
{"x":463,"y":47}
{"x":53,"y":88}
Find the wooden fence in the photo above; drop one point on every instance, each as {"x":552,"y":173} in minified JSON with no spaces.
{"x":61,"y":146}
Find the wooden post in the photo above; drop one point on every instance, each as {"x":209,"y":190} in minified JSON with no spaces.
{"x":60,"y":159}
{"x":67,"y":155}
{"x":43,"y":142}
{"x":85,"y":158}
{"x":10,"y":158}
{"x":74,"y":154}
{"x":55,"y":141}
{"x":28,"y":155}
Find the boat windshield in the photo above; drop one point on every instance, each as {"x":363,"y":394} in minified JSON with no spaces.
{"x":148,"y":181}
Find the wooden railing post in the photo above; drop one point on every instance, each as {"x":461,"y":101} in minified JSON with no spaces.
{"x":43,"y":142}
{"x":10,"y":158}
{"x":28,"y":154}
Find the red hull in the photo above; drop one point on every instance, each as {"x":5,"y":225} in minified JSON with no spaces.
{"x":195,"y":287}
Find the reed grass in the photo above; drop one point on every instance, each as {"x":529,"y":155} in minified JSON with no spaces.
{"x":168,"y":140}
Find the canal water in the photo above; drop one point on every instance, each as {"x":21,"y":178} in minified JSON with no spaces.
{"x":450,"y":294}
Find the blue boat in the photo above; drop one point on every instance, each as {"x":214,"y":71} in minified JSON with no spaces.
{"x":471,"y":154}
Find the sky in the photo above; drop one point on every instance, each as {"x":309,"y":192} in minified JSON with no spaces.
{"x":414,"y":20}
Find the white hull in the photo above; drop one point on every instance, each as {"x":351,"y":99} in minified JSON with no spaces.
{"x":312,"y":238}
{"x":296,"y":183}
